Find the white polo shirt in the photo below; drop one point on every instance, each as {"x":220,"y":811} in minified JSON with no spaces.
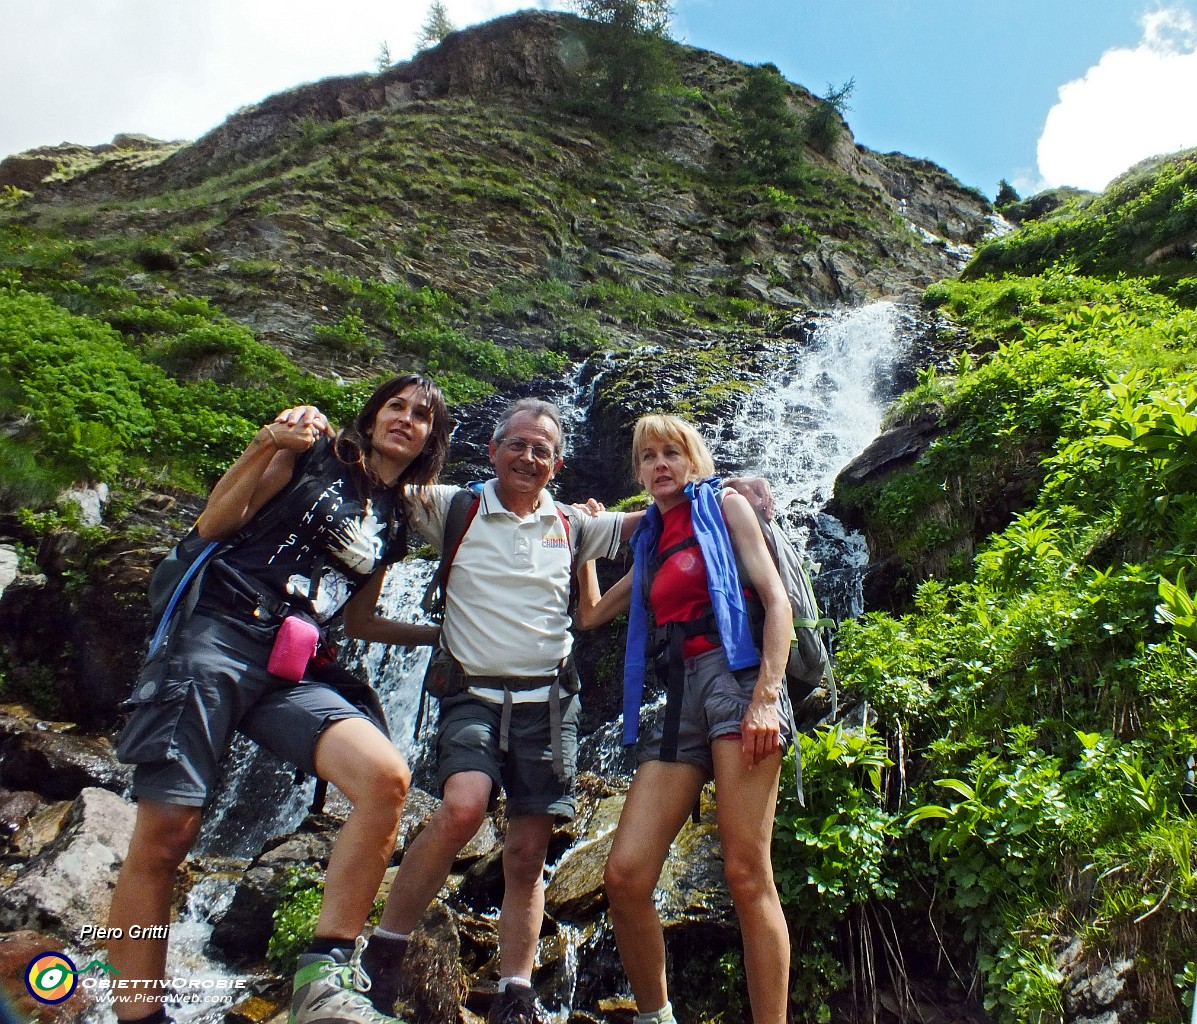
{"x":506,"y":610}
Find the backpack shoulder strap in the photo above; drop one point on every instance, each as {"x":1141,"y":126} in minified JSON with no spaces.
{"x":566,"y":514}
{"x":463,"y":507}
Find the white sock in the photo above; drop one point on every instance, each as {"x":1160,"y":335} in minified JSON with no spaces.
{"x":504,"y":982}
{"x":661,"y":1016}
{"x":382,"y":933}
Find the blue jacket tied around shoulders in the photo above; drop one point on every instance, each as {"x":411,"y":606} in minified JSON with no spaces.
{"x":723,"y":583}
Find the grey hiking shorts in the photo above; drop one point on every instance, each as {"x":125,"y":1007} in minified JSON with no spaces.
{"x":468,"y":740}
{"x":714,"y":701}
{"x":183,"y":714}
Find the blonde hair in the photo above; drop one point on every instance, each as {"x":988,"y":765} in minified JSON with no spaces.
{"x":671,"y":430}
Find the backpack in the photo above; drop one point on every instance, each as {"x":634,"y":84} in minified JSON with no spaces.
{"x":463,"y":507}
{"x":809,"y":664}
{"x":444,"y":676}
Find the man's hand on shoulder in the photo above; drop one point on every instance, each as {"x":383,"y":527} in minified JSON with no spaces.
{"x":306,"y":416}
{"x":591,"y":506}
{"x":756,"y":489}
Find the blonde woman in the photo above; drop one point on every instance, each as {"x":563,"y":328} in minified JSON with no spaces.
{"x":692,"y":619}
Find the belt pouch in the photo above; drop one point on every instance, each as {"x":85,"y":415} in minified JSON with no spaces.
{"x":294,"y":645}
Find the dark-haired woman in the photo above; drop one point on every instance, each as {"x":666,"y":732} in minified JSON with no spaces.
{"x":309,"y":524}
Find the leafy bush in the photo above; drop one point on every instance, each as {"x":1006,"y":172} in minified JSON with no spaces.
{"x":832,"y":857}
{"x":295,"y":917}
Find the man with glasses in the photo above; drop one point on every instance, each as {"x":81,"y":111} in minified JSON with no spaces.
{"x":514,"y":723}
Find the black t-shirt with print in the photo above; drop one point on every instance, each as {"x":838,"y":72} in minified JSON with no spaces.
{"x":320,"y":524}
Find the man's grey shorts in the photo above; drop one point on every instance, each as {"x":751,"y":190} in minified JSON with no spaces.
{"x":467,"y":740}
{"x":714,"y":701}
{"x":216,"y":681}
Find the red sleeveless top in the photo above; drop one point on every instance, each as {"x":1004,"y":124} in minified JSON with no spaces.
{"x":679,"y":589}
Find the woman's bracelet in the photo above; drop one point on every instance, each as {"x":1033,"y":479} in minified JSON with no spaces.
{"x":270,"y":430}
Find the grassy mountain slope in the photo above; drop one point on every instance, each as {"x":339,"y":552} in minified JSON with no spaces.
{"x":459,"y":213}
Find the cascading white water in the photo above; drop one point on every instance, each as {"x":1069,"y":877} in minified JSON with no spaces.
{"x":820,"y":412}
{"x":823,"y":409}
{"x":396,"y":672}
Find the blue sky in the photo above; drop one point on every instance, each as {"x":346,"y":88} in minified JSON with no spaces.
{"x":966,"y":84}
{"x":1040,"y":92}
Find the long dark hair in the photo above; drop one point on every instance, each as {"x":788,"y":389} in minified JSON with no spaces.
{"x":354,"y":446}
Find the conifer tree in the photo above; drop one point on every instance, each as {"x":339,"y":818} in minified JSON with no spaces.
{"x":652,"y":16}
{"x":770,"y":136}
{"x":630,"y":64}
{"x":436,"y":26}
{"x":1006,"y":195}
{"x":825,"y":123}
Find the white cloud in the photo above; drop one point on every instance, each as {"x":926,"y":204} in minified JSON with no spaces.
{"x":1133,"y":104}
{"x":85,"y":70}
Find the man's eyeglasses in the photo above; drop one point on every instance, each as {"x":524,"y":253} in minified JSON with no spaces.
{"x":517,"y":446}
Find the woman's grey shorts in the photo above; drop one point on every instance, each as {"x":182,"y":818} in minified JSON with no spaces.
{"x":184,"y":713}
{"x":714,"y":701}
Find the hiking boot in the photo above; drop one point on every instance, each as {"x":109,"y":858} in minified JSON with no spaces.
{"x":383,"y":962}
{"x":331,"y":989}
{"x":516,"y":1004}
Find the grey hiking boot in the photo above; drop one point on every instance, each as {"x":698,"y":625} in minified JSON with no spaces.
{"x":332,"y":989}
{"x":516,"y":1004}
{"x":383,"y":962}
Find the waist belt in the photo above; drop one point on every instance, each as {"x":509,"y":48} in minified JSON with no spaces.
{"x":563,"y":684}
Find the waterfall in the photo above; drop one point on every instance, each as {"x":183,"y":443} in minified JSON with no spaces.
{"x":823,"y":407}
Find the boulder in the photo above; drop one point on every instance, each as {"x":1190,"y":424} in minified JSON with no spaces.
{"x":9,"y":562}
{"x":897,"y":447}
{"x":50,"y":759}
{"x":70,"y":882}
{"x":435,"y":983}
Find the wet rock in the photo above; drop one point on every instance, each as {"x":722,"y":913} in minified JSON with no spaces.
{"x":241,"y":933}
{"x":70,"y":882}
{"x":576,"y":892}
{"x":895,"y":448}
{"x":50,"y":759}
{"x":40,"y":829}
{"x":16,"y":808}
{"x":9,"y":562}
{"x":434,"y":983}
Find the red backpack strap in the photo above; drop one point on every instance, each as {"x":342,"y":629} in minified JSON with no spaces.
{"x":569,"y":539}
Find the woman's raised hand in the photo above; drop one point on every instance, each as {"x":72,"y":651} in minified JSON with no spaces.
{"x":306,"y":416}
